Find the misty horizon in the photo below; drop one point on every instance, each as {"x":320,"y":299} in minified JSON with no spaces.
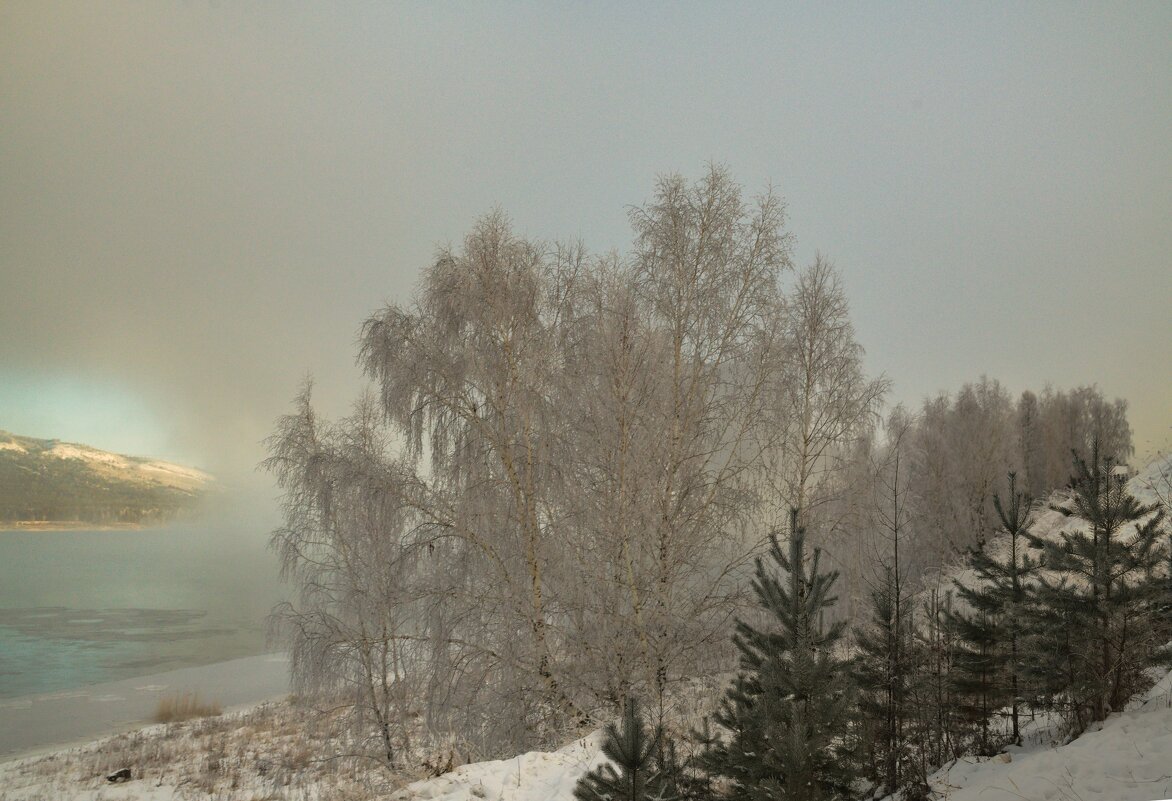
{"x":202,"y":204}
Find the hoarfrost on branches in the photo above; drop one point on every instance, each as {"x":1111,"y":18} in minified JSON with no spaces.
{"x":550,"y":501}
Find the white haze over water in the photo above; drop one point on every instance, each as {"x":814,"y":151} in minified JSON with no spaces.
{"x":201,"y":202}
{"x":81,"y":607}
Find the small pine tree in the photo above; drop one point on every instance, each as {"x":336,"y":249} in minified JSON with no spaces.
{"x":977,"y":660}
{"x":646,"y":764}
{"x":788,"y":711}
{"x":1103,"y":591}
{"x":990,"y":661}
{"x":933,"y":689}
{"x":695,"y":782}
{"x":884,"y":671}
{"x":886,"y":667}
{"x":1159,"y":585}
{"x":1054,"y":641}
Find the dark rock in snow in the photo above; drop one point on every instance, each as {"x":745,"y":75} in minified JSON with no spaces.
{"x":119,"y":776}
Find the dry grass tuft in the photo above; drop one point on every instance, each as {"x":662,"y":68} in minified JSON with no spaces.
{"x":188,"y":706}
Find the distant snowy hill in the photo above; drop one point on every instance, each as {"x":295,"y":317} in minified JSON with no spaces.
{"x":44,"y":481}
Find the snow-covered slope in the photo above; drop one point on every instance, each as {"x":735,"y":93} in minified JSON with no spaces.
{"x":130,"y":468}
{"x":111,"y":465}
{"x":1127,"y":758}
{"x":1153,"y":484}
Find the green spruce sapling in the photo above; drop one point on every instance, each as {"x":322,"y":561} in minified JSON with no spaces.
{"x":990,"y":662}
{"x":788,"y":711}
{"x":1104,"y":566}
{"x":646,"y":766}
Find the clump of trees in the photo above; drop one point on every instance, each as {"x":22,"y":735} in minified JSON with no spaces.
{"x":567,"y":474}
{"x":1095,"y":637}
{"x":554,"y":494}
{"x":785,"y":727}
{"x":954,"y":453}
{"x":963,"y":446}
{"x":1078,"y":631}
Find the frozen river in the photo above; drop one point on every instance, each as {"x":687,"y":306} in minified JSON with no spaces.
{"x":81,"y":607}
{"x":84,"y":608}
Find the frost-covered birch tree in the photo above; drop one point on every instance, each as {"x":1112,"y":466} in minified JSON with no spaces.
{"x":566,"y":456}
{"x":824,"y":402}
{"x":611,"y":414}
{"x":706,"y":268}
{"x":353,"y":624}
{"x":468,"y":377}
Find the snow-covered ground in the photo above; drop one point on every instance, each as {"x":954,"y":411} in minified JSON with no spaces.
{"x":274,"y":751}
{"x":268,"y":752}
{"x":1126,"y":758}
{"x":535,"y":776}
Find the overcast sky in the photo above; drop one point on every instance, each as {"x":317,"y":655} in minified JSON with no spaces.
{"x":201,"y":202}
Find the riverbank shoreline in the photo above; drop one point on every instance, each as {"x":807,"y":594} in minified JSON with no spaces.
{"x":73,"y":525}
{"x":282,"y":750}
{"x":39,"y":724}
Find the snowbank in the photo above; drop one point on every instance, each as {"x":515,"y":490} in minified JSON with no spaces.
{"x":535,"y":776}
{"x":1128,"y":759}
